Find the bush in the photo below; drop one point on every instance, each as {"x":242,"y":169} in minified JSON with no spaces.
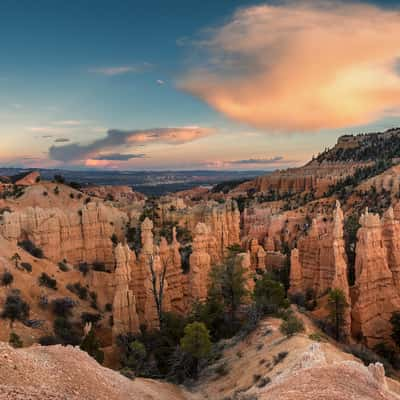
{"x":48,"y":340}
{"x":47,"y":281}
{"x":269,"y":295}
{"x":81,"y":291}
{"x":62,"y":306}
{"x":7,"y":278}
{"x":291,"y":326}
{"x":93,"y":302}
{"x":64,"y":330}
{"x":280,"y":357}
{"x":99,"y":266}
{"x":90,"y":317}
{"x":15,"y":341}
{"x":84,"y":268}
{"x":114,"y":239}
{"x":91,"y":345}
{"x":63,"y":266}
{"x":15,"y":308}
{"x":264,"y":382}
{"x":196,"y":342}
{"x":31,"y":248}
{"x":135,"y":356}
{"x":318,"y":337}
{"x":26,"y":266}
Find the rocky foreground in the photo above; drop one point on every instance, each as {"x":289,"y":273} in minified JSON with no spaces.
{"x":308,"y":370}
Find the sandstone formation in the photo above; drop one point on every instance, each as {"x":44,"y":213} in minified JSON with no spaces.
{"x":314,"y":176}
{"x":257,"y":255}
{"x":374,"y":296}
{"x":77,"y":237}
{"x":125,"y":315}
{"x":200,"y":264}
{"x":319,"y":263}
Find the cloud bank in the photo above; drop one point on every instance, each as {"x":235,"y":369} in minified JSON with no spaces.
{"x":302,"y":66}
{"x":116,"y":139}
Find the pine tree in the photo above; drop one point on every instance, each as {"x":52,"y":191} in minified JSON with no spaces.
{"x":337,"y":305}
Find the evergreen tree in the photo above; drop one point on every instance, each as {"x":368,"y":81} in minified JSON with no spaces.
{"x":395,"y":321}
{"x":91,"y":345}
{"x":269,"y":295}
{"x":228,"y":284}
{"x":337,"y":305}
{"x":196,"y":342}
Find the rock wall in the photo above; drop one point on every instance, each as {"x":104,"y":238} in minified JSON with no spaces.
{"x":374,"y":296}
{"x":83,"y":236}
{"x":319,"y":263}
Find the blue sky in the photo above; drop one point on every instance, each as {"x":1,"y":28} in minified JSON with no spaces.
{"x":72,"y":70}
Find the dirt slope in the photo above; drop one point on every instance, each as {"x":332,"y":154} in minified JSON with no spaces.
{"x":56,"y":372}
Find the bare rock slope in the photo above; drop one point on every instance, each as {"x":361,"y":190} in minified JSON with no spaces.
{"x":56,"y":372}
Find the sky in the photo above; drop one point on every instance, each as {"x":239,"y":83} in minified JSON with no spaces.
{"x":184,"y":84}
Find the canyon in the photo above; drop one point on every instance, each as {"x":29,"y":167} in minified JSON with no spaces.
{"x":333,"y":224}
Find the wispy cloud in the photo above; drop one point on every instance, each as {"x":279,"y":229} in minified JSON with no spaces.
{"x":118,"y":138}
{"x":122,"y":69}
{"x":301,"y":65}
{"x":118,"y":157}
{"x":68,"y":122}
{"x":62,"y":140}
{"x":273,"y":160}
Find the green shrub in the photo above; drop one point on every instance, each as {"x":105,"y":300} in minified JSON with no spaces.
{"x":269,"y":295}
{"x":90,"y":317}
{"x":15,"y":341}
{"x":15,"y":308}
{"x":91,"y":345}
{"x":84,"y":268}
{"x":7,"y":278}
{"x":47,"y":281}
{"x":65,"y":331}
{"x":291,"y":326}
{"x":99,"y":266}
{"x":26,"y":266}
{"x":280,"y":357}
{"x":63,"y":266}
{"x":81,"y":291}
{"x":48,"y":340}
{"x":31,"y":248}
{"x":62,"y":306}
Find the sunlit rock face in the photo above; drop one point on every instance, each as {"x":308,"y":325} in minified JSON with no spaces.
{"x":125,"y":316}
{"x":375,"y":296}
{"x":79,"y":236}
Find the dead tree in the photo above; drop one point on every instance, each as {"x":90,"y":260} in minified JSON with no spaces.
{"x":158,"y":285}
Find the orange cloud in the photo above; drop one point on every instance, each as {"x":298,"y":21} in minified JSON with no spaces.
{"x":302,"y":66}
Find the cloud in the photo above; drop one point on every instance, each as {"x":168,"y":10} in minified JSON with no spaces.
{"x":61,"y":140}
{"x":160,"y":82}
{"x":301,"y":65}
{"x":273,"y":160}
{"x":117,"y":157}
{"x":120,"y":70}
{"x":120,"y":138}
{"x":68,"y":122}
